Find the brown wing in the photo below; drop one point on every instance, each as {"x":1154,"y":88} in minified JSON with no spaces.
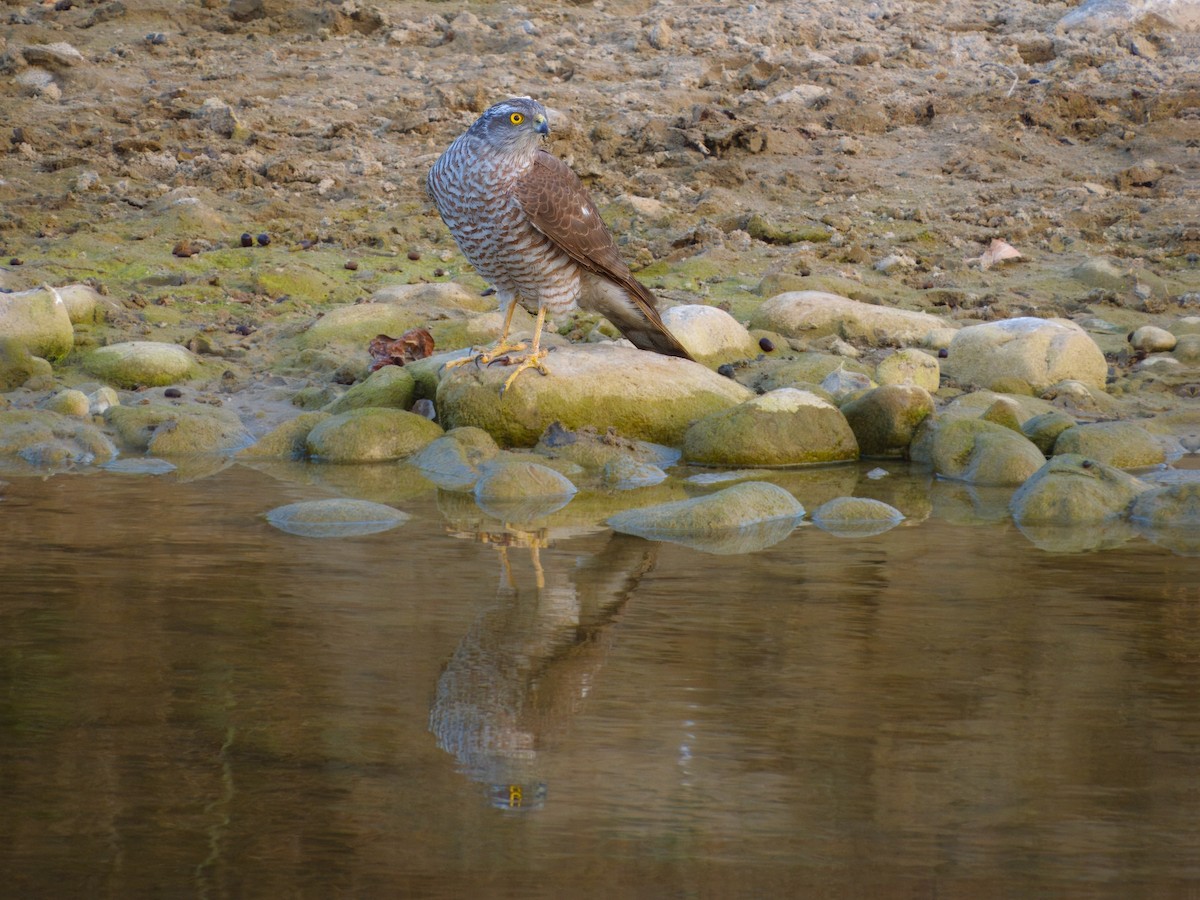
{"x":558,"y":205}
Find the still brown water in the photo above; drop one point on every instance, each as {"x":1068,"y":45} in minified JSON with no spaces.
{"x":195,"y":704}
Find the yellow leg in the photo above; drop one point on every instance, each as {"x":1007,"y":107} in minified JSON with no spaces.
{"x":533,"y":360}
{"x":485,"y":357}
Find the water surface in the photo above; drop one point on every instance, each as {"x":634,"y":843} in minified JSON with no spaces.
{"x":193,"y":703}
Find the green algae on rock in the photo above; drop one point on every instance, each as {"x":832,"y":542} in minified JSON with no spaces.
{"x":785,"y":427}
{"x":1072,"y":490}
{"x":640,"y":394}
{"x":1125,"y":445}
{"x":39,"y":320}
{"x":984,"y":453}
{"x":184,"y":429}
{"x":38,"y":440}
{"x":885,"y":419}
{"x":133,"y":364}
{"x":738,"y":519}
{"x":370,"y":435}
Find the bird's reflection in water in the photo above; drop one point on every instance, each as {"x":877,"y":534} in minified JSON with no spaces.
{"x":525,"y":666}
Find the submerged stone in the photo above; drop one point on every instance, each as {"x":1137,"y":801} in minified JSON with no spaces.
{"x":737,"y":519}
{"x":337,"y":517}
{"x":856,"y":516}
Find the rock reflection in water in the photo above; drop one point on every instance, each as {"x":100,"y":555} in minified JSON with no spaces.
{"x":526,"y":665}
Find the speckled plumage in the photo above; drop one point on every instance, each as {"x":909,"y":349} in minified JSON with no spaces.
{"x":525,"y":221}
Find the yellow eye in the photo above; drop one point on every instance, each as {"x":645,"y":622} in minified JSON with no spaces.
{"x":516,"y":118}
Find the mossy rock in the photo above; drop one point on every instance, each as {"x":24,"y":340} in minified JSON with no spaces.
{"x":1125,"y":445}
{"x":453,"y":461}
{"x":39,"y":320}
{"x":1074,"y":490}
{"x":738,"y":519}
{"x":370,"y":435}
{"x":885,"y":419}
{"x":984,"y":453}
{"x":785,"y":427}
{"x":18,"y":365}
{"x":186,"y":429}
{"x":39,"y":439}
{"x":390,"y":386}
{"x":287,"y":440}
{"x":134,"y":364}
{"x":640,"y":394}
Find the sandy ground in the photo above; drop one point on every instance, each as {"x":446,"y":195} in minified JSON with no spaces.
{"x":873,"y":149}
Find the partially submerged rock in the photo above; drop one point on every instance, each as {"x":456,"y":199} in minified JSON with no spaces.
{"x":785,"y":427}
{"x":1170,"y":516}
{"x":454,"y":461}
{"x":521,"y":491}
{"x":856,"y":516}
{"x":885,"y":419}
{"x":40,"y":440}
{"x":738,"y":519}
{"x":168,"y":430}
{"x":984,"y":453}
{"x":370,"y":435}
{"x":639,"y":394}
{"x":335,"y":517}
{"x":1072,"y":490}
{"x":289,"y":440}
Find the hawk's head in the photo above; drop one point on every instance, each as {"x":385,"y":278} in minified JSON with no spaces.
{"x":513,"y":126}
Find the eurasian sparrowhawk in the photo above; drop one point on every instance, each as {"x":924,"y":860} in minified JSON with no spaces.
{"x":525,"y":221}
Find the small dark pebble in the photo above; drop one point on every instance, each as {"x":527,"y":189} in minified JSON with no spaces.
{"x":726,"y":370}
{"x":438,"y":273}
{"x":247,"y":239}
{"x":63,"y":5}
{"x":414,"y":255}
{"x":156,"y":38}
{"x":306,"y":244}
{"x":943,"y":353}
{"x":264,"y":239}
{"x":1087,"y":464}
{"x":16,"y":261}
{"x":424,"y":407}
{"x":352,"y":265}
{"x":244,"y":330}
{"x":172,"y":392}
{"x":766,"y":345}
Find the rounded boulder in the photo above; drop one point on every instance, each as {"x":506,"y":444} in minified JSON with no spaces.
{"x":784,"y":427}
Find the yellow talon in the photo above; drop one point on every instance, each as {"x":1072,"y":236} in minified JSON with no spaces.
{"x":532,"y":361}
{"x":486,"y":357}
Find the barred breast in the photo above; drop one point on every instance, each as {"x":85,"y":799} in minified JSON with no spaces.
{"x":472,"y":188}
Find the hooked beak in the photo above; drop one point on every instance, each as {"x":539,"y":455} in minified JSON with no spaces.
{"x":543,"y":127}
